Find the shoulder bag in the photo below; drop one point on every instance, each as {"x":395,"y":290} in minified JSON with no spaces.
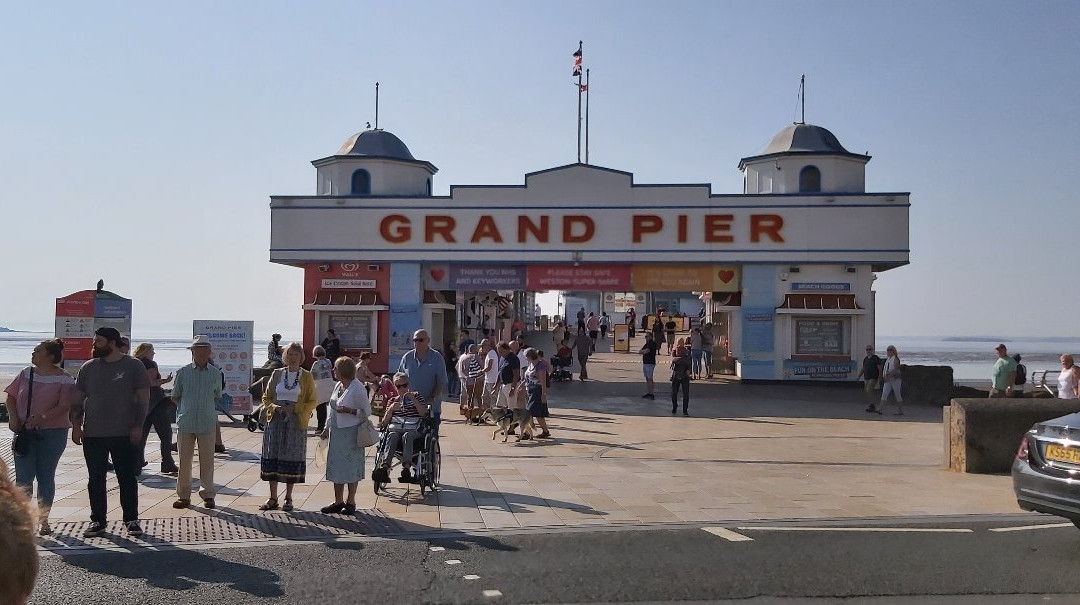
{"x":20,"y":445}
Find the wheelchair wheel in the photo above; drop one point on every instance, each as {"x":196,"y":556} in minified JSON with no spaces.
{"x":436,"y":465}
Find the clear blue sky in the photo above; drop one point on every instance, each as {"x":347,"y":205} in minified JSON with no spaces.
{"x":141,"y":141}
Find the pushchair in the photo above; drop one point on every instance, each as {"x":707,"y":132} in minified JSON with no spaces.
{"x":560,"y":368}
{"x":426,"y":461}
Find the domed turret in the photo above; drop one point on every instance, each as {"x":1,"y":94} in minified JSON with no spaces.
{"x":804,"y":158}
{"x":373,"y":163}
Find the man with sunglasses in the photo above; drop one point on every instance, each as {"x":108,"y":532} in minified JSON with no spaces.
{"x":871,"y":377}
{"x":426,"y":370}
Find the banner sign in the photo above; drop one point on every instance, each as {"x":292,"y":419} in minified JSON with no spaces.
{"x":686,"y":278}
{"x":112,"y":307}
{"x":583,"y":277}
{"x":818,"y":370}
{"x":491,"y":277}
{"x":232,"y":343}
{"x":820,"y":287}
{"x":348,"y":284}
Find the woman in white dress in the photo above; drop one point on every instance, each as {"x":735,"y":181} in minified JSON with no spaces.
{"x":1068,"y":379}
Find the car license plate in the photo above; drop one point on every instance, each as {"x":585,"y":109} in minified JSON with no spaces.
{"x":1060,"y":453}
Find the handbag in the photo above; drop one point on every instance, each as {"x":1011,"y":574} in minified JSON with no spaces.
{"x":366,"y":433}
{"x":20,"y":445}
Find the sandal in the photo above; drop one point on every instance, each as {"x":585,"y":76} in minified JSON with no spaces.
{"x":45,"y":529}
{"x":271,"y":504}
{"x":287,"y":507}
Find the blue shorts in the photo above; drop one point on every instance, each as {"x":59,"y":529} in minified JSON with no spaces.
{"x":647,"y":369}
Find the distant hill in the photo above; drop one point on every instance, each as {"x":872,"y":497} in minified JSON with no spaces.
{"x":3,"y":329}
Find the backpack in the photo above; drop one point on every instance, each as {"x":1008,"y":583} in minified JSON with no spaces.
{"x":1021,"y":374}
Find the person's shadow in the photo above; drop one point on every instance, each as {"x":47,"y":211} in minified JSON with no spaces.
{"x":180,"y":570}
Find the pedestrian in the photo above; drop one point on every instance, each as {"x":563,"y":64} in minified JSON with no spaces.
{"x":289,"y":399}
{"x":648,"y":364}
{"x":535,"y":381}
{"x":890,"y":374}
{"x":605,"y":324}
{"x":583,"y":345}
{"x":161,"y":410}
{"x":697,"y":340}
{"x":471,"y":372}
{"x":631,"y":321}
{"x":331,"y":346}
{"x":453,"y":385}
{"x":542,"y":363}
{"x":349,"y":408}
{"x":509,"y":376}
{"x":322,"y":370}
{"x":581,"y":318}
{"x":427,"y":373}
{"x":111,"y":401}
{"x":669,"y":330}
{"x":196,"y":392}
{"x":464,"y":342}
{"x":491,"y":374}
{"x":1003,"y":374}
{"x":870,"y":374}
{"x":273,"y":352}
{"x":680,"y":379}
{"x":363,"y":372}
{"x":707,"y":342}
{"x":558,"y":333}
{"x":658,"y":329}
{"x":18,"y":548}
{"x":39,"y":402}
{"x":1068,"y":379}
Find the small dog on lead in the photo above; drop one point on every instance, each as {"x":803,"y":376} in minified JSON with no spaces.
{"x":507,"y":419}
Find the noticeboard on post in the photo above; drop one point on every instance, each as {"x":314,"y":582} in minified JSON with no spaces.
{"x":232,"y":343}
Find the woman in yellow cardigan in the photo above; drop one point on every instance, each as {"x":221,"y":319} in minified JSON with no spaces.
{"x":289,"y":399}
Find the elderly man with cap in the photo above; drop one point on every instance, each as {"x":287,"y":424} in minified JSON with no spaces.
{"x":196,"y":392}
{"x":1003,"y":375}
{"x":427,"y":372}
{"x":113,"y":395}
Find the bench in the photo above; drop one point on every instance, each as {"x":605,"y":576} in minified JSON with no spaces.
{"x":1038,"y":381}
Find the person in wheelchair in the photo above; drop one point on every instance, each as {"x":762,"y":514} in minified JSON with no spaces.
{"x":561,"y":362}
{"x":403,"y":422}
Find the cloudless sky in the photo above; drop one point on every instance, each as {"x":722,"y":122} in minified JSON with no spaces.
{"x":140,"y":142}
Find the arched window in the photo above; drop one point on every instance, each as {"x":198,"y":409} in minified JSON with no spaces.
{"x":809,"y":180}
{"x":361,"y":182}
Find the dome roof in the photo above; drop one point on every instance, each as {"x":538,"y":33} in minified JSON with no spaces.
{"x":378,"y":143}
{"x":804,"y":138}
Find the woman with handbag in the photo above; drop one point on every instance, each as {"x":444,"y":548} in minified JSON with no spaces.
{"x":350,"y":411}
{"x":38,"y":402}
{"x":289,"y":400}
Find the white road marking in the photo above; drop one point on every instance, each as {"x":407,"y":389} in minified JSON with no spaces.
{"x":437,"y":549}
{"x":927,"y":530}
{"x":1027,"y":527}
{"x":471,"y":577}
{"x":453,"y":562}
{"x":492,"y":593}
{"x":727,"y":534}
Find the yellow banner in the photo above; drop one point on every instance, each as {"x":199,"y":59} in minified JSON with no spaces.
{"x":685,"y":278}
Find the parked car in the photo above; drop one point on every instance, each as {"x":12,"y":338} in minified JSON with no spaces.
{"x":1046,"y":471}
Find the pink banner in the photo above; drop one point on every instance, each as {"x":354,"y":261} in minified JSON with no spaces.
{"x":584,"y":277}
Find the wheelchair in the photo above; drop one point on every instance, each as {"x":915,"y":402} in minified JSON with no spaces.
{"x":560,"y":369}
{"x":427,"y":457}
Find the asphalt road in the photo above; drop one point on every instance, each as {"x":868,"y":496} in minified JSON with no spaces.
{"x":813,"y":563}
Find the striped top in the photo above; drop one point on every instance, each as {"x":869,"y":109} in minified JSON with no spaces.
{"x":408,"y":406}
{"x":196,"y":392}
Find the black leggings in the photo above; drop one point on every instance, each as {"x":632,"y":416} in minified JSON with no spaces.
{"x":160,"y":418}
{"x":320,"y":415}
{"x":685,"y":382}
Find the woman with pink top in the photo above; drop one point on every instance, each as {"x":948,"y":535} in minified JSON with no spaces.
{"x":38,"y":402}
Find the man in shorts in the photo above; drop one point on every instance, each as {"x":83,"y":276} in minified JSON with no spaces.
{"x":648,"y":364}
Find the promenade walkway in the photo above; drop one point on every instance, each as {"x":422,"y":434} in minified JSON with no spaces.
{"x":746,"y":452}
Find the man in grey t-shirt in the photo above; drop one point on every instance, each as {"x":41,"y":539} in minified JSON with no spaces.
{"x":107,"y":419}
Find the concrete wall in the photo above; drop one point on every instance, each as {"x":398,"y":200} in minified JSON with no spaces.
{"x":983,"y":435}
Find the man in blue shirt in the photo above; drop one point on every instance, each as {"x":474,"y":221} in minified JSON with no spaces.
{"x":427,"y":372}
{"x":196,"y":391}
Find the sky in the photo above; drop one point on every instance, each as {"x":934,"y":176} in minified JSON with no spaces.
{"x":140,"y":142}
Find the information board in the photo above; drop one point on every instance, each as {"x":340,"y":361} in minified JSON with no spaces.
{"x":621,"y":333}
{"x":819,"y":337}
{"x":352,"y":329}
{"x":232,"y":343}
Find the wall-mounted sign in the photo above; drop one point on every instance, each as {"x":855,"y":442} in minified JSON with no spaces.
{"x":820,"y":287}
{"x":818,"y":370}
{"x":489,"y":277}
{"x":685,"y":278}
{"x":820,"y":337}
{"x":583,"y":277}
{"x":348,"y":284}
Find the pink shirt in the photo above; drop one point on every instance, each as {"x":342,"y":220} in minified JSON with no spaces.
{"x":53,"y":396}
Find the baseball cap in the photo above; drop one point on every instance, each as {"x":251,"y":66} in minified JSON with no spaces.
{"x":1001,"y":347}
{"x":108,"y":334}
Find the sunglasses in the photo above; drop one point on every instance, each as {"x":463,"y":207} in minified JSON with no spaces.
{"x":419,"y":339}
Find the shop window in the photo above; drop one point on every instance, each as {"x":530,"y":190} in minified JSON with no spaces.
{"x":355,"y":329}
{"x":822,"y":337}
{"x":809,"y":180}
{"x":361,"y":182}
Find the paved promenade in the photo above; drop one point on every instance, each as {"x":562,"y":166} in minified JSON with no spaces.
{"x":746,"y":452}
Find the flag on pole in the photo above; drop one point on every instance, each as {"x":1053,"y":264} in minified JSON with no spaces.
{"x":577,"y":62}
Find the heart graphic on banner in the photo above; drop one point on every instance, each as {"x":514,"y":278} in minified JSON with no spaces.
{"x":438,"y":274}
{"x":726,"y":276}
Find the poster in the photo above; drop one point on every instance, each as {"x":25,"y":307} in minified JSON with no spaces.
{"x":583,"y":277}
{"x":79,"y":314}
{"x":232,"y":343}
{"x":685,"y":278}
{"x":621,"y":333}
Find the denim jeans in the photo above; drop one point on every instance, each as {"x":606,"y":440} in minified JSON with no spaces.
{"x":695,"y":357}
{"x":39,"y":463}
{"x":126,"y":460}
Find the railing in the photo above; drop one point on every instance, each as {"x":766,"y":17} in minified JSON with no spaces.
{"x":1038,"y":381}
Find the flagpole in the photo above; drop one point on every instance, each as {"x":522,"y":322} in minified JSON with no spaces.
{"x":586,"y":115}
{"x":376,"y":106}
{"x":579,"y":49}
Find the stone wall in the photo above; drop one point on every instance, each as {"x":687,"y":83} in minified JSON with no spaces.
{"x":927,"y":384}
{"x":983,"y":435}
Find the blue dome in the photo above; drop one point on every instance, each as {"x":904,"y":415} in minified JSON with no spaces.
{"x":377,"y":143}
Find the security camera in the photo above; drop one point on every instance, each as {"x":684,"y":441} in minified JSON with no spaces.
{"x":324,"y":267}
